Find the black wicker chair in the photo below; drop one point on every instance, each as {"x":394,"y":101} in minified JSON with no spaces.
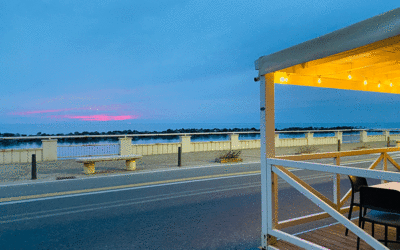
{"x":356,"y":184}
{"x":384,"y":205}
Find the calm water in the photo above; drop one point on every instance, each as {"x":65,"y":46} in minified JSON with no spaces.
{"x":104,"y":127}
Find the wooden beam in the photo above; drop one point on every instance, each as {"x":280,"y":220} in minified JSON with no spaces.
{"x":324,"y":206}
{"x":336,"y":185}
{"x":306,"y":185}
{"x":337,"y":154}
{"x":384,"y":165}
{"x":310,"y":218}
{"x":366,"y":65}
{"x":372,"y":166}
{"x":376,"y":162}
{"x":345,"y":198}
{"x":334,"y":83}
{"x":267,"y":132}
{"x":345,"y":170}
{"x":393,"y":162}
{"x":275,"y":197}
{"x":351,"y":55}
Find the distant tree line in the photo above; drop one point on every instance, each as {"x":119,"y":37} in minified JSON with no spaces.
{"x":117,"y":132}
{"x":134,"y":138}
{"x":319,"y":128}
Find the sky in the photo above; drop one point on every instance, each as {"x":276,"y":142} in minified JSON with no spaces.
{"x":96,"y":63}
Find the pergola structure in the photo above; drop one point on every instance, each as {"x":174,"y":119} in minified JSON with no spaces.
{"x":363,"y":57}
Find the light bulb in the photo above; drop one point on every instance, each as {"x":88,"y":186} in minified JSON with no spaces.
{"x":391,"y":84}
{"x":282,"y":79}
{"x":365,"y":82}
{"x":349,"y":76}
{"x":319,"y":80}
{"x":379,"y":85}
{"x":286,"y":79}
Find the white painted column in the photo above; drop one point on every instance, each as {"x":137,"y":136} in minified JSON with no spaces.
{"x":234,"y":139}
{"x":277,"y":141}
{"x":363,"y":136}
{"x":267,"y":150}
{"x":49,"y":149}
{"x":186,"y":143}
{"x":339,"y":136}
{"x":310,"y":138}
{"x":387,"y":134}
{"x":125,"y":146}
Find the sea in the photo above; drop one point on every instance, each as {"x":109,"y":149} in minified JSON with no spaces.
{"x":65,"y":128}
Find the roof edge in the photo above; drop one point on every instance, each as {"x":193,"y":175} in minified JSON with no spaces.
{"x":366,"y":32}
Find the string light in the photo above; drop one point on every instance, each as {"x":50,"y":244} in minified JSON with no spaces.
{"x":391,"y":84}
{"x":349,"y":76}
{"x":365,"y":82}
{"x":379,"y":85}
{"x":319,"y":79}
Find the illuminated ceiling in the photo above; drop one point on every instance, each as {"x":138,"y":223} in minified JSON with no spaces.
{"x":364,"y":56}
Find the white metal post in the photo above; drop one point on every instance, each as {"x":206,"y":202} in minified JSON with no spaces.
{"x":263,"y":154}
{"x":336,"y":185}
{"x":267,"y":150}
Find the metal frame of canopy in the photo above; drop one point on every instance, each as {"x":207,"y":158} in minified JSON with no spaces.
{"x":361,"y":57}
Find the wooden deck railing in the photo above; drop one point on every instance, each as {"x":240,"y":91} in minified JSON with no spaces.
{"x":271,"y":226}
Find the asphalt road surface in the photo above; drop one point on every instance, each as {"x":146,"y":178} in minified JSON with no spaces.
{"x":215,"y":207}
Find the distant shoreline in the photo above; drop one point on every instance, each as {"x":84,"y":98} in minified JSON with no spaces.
{"x":8,"y":143}
{"x":177,"y":131}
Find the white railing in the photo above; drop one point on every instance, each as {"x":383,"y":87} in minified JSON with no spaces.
{"x":72,"y":151}
{"x":49,"y":152}
{"x":124,"y":135}
{"x":275,"y":167}
{"x":285,"y":134}
{"x":351,"y":138}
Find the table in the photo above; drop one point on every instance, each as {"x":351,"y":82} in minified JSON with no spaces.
{"x":389,"y":185}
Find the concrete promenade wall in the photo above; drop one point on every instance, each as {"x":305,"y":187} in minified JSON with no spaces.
{"x":20,"y":155}
{"x":48,"y":152}
{"x":235,"y":144}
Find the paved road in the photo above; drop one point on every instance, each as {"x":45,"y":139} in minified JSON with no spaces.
{"x":195,"y":208}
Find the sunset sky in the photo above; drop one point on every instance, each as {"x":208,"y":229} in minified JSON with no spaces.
{"x":169,"y":61}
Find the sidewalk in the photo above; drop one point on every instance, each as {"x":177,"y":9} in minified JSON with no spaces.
{"x":52,"y":170}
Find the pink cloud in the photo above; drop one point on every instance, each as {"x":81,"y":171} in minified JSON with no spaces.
{"x":101,"y":117}
{"x":83,"y":116}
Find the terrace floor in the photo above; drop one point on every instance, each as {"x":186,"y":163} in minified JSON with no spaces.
{"x":333,"y":237}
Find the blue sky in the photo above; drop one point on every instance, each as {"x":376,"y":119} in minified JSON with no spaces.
{"x":169,"y":61}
